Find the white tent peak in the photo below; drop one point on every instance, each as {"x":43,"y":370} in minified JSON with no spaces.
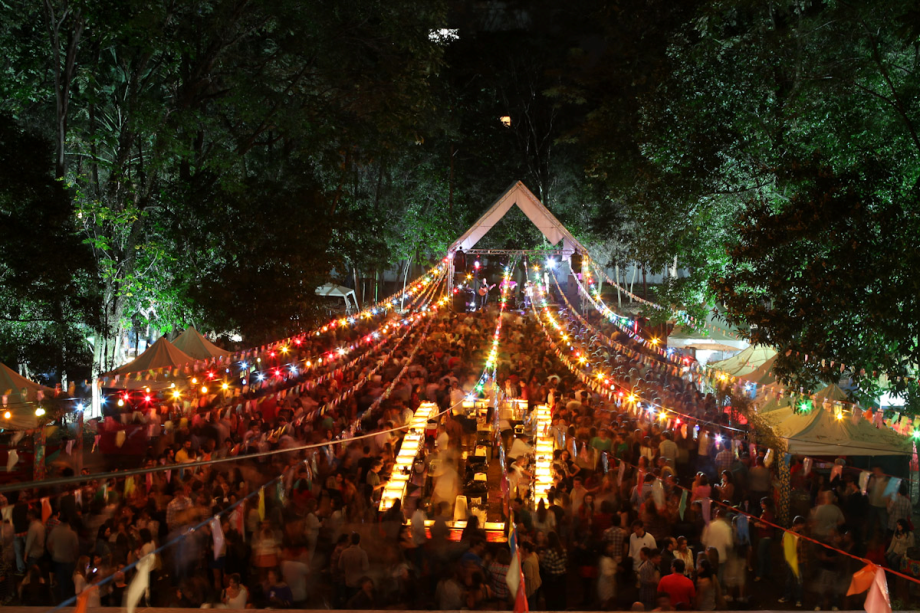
{"x":339,"y":291}
{"x":194,"y":344}
{"x":536,"y":211}
{"x":161,"y":354}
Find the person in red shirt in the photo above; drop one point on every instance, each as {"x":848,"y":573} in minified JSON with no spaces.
{"x":678,"y":587}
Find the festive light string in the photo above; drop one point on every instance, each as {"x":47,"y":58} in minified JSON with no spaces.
{"x":633,"y":401}
{"x":620,"y":321}
{"x":605,"y":311}
{"x":303,"y":386}
{"x":839,"y":413}
{"x":626,"y":395}
{"x":288,"y":370}
{"x":248,"y":368}
{"x":684,"y":317}
{"x":691,"y":321}
{"x":384,"y":306}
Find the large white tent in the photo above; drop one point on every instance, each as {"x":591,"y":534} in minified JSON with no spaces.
{"x":193,"y":344}
{"x":518,"y":195}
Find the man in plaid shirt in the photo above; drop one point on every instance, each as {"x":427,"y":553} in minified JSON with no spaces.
{"x":724,"y":458}
{"x":498,"y":575}
{"x":617,"y":536}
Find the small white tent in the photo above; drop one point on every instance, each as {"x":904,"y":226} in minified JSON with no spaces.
{"x":337,"y":291}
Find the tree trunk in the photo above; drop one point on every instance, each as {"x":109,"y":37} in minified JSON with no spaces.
{"x":450,"y":182}
{"x":402,"y":300}
{"x":616,"y":277}
{"x":632,"y":283}
{"x":357,"y":290}
{"x":644,"y":284}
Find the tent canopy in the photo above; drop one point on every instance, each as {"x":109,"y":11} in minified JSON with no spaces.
{"x":820,"y":433}
{"x":831,"y":393}
{"x":536,"y":212}
{"x":332,"y":290}
{"x":762,"y":375}
{"x":21,"y":398}
{"x":161,"y":354}
{"x":193,"y":344}
{"x":747,"y":361}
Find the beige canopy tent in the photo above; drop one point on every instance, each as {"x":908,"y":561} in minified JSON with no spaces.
{"x":745,"y":362}
{"x":763,"y":374}
{"x":832,"y":393}
{"x":20,"y":399}
{"x":774,"y":404}
{"x":820,"y":433}
{"x":193,"y":344}
{"x":161,"y":354}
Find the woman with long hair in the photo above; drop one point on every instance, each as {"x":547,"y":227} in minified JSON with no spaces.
{"x":765,"y":537}
{"x":707,"y":585}
{"x":544,"y":520}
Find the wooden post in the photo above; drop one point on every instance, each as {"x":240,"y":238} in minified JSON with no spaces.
{"x":78,"y":446}
{"x":38,"y":460}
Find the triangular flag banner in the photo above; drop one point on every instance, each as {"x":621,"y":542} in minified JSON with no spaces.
{"x":893,"y":484}
{"x":878,"y":600}
{"x":218,"y":533}
{"x":862,"y":580}
{"x":789,"y":552}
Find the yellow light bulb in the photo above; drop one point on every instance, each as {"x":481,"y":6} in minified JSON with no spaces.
{"x":204,"y":389}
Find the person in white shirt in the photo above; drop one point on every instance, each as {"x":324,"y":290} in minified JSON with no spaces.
{"x":637,"y":540}
{"x":519,"y":448}
{"x":718,"y":534}
{"x":418,"y":524}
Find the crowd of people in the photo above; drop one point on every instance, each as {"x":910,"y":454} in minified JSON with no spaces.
{"x":615,"y":532}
